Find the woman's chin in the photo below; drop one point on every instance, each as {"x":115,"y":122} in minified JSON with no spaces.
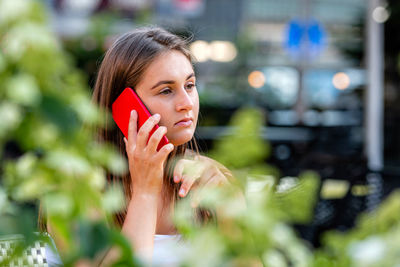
{"x":180,"y":139}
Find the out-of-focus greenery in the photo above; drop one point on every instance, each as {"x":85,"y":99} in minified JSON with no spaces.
{"x":46,"y":112}
{"x":374,"y":241}
{"x":255,"y":230}
{"x":252,"y":220}
{"x":244,"y":148}
{"x":46,"y":115}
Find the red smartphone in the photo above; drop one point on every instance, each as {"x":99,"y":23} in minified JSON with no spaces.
{"x":121,"y":112}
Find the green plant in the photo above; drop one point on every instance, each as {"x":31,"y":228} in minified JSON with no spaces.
{"x":252,"y":228}
{"x":47,"y":113}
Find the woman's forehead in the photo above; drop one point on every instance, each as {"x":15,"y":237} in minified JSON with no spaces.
{"x":169,"y":64}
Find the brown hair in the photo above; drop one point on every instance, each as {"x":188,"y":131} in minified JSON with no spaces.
{"x":123,"y":66}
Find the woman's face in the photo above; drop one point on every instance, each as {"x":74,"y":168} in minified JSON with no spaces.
{"x":168,"y":87}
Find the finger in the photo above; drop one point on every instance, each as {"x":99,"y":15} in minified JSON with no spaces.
{"x":164,"y":152}
{"x":187,"y":184}
{"x":178,"y":170}
{"x":197,"y":169}
{"x":132,"y":128}
{"x":215,"y":181}
{"x":204,"y":172}
{"x":144,"y":131}
{"x":155,"y":138}
{"x":219,"y":177}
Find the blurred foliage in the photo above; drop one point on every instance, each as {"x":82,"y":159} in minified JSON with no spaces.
{"x":47,"y":117}
{"x":374,"y":241}
{"x":252,"y":226}
{"x":89,"y":48}
{"x":253,"y":150}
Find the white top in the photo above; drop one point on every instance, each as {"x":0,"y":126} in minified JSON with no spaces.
{"x":168,"y":251}
{"x":52,"y":256}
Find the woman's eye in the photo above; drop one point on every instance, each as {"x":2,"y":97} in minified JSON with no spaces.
{"x":190,"y":86}
{"x":165,"y":91}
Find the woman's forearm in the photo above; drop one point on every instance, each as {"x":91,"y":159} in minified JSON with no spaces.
{"x":140,"y":224}
{"x":139,"y":228}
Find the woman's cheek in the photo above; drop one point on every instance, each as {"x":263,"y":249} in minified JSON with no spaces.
{"x":163,"y":123}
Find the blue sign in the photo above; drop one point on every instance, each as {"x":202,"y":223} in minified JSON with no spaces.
{"x":305,"y":38}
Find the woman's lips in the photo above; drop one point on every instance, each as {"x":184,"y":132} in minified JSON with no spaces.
{"x":184,"y":123}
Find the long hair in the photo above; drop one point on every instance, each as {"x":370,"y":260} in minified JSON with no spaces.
{"x":123,"y":66}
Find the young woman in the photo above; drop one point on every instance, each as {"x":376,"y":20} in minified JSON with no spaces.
{"x":158,"y":66}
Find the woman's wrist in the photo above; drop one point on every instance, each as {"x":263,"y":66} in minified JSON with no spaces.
{"x":143,"y":189}
{"x":144,"y":196}
{"x":147,"y":193}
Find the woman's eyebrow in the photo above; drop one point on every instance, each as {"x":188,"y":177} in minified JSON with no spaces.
{"x":161,"y":82}
{"x":190,"y":76}
{"x":170,"y":81}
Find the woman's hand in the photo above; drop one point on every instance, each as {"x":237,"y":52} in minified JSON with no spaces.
{"x":146,"y":164}
{"x":201,"y":171}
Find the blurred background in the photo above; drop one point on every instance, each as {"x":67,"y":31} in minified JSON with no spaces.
{"x":324,"y":72}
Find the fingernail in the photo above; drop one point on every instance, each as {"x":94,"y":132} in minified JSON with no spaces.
{"x":156,"y":116}
{"x":132,"y":112}
{"x":182,"y":192}
{"x":176,"y":179}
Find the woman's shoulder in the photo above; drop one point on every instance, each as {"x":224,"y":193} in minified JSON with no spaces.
{"x":210,"y":161}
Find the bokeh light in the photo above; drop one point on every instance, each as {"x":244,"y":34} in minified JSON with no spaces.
{"x":380,"y":14}
{"x":222,"y":51}
{"x":341,"y":81}
{"x":256,"y":79}
{"x":200,"y":50}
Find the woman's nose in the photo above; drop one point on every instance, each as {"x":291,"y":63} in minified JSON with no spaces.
{"x":184,"y":101}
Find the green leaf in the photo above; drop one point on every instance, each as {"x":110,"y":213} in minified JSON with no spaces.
{"x":23,"y":89}
{"x":113,"y":199}
{"x":11,"y":116}
{"x":58,"y":204}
